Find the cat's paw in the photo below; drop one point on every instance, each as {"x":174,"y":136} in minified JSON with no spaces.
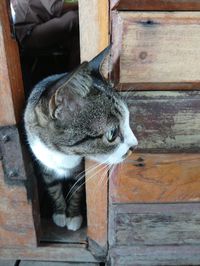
{"x":74,"y":223}
{"x":59,"y":219}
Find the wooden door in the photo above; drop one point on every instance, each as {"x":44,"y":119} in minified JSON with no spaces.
{"x":154,"y":195}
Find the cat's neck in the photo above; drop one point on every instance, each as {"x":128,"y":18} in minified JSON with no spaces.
{"x":63,"y":165}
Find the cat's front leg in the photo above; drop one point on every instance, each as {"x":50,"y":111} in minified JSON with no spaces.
{"x":74,"y":206}
{"x":54,"y":189}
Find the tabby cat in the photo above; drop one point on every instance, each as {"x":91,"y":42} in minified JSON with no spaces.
{"x":73,"y":116}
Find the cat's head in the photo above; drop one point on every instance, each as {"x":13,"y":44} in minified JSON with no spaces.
{"x":88,"y":117}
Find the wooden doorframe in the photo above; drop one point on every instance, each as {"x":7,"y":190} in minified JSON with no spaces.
{"x":94,"y":37}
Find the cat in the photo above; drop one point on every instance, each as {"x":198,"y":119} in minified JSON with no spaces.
{"x":73,"y":116}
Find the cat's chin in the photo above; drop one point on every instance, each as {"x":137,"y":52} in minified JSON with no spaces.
{"x":103,"y":159}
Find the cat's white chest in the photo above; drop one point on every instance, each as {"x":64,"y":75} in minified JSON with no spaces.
{"x":59,"y":162}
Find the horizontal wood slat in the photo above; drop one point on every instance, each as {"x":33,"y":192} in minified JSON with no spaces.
{"x":157,"y":256}
{"x":156,"y":48}
{"x":157,"y":178}
{"x":155,"y":224}
{"x":168,"y":5}
{"x":165,"y":121}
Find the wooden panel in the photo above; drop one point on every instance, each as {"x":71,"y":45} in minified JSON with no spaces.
{"x":156,"y":256}
{"x":156,"y":48}
{"x":49,"y":253}
{"x":155,"y":224}
{"x":11,"y":85}
{"x":94,"y":36}
{"x":7,"y":262}
{"x":165,"y":121}
{"x":16,"y":218}
{"x":53,"y":263}
{"x":157,"y":178}
{"x":168,"y":5}
{"x":96,"y":191}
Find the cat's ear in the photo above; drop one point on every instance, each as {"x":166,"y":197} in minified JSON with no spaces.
{"x":70,"y":93}
{"x":100,"y":64}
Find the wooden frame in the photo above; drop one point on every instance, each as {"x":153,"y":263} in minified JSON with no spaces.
{"x":94,"y":37}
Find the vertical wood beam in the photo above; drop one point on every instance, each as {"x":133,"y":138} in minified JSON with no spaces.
{"x":11,"y":84}
{"x":94,"y":37}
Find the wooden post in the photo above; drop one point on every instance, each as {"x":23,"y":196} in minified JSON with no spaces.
{"x":94,"y":37}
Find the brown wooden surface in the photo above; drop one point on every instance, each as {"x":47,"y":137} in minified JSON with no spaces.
{"x":156,"y":48}
{"x":94,"y":27}
{"x":97,"y":193}
{"x":155,"y":224}
{"x":157,"y":178}
{"x":168,"y":5}
{"x":155,"y":256}
{"x":12,"y":94}
{"x":16,"y":222}
{"x":49,"y":253}
{"x":50,"y":233}
{"x":165,"y":121}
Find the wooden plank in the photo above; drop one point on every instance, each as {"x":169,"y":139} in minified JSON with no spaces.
{"x":94,"y":27}
{"x":147,"y":49}
{"x":16,"y":218}
{"x":165,"y":121}
{"x":53,"y":263}
{"x":12,"y":94}
{"x":97,"y":191}
{"x":49,"y":253}
{"x":50,"y":233}
{"x":157,"y":178}
{"x":155,"y":224}
{"x":156,"y":256}
{"x":7,"y":262}
{"x":156,"y":5}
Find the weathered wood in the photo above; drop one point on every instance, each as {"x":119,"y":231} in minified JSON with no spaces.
{"x":94,"y":27}
{"x":11,"y":85}
{"x":165,"y":121}
{"x":157,"y":178}
{"x":156,"y":48}
{"x":49,"y":253}
{"x":53,"y":263}
{"x":154,"y":224}
{"x":50,"y":233}
{"x":7,"y":262}
{"x":156,"y":5}
{"x":155,"y":256}
{"x":97,"y":193}
{"x":16,"y":218}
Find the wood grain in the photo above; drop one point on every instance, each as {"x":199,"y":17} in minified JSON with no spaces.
{"x":157,"y":178}
{"x":94,"y":26}
{"x":165,"y":121}
{"x":97,"y":193}
{"x":156,"y":48}
{"x":16,"y":218}
{"x":155,"y":5}
{"x":11,"y":85}
{"x":49,"y":253}
{"x":155,"y":224}
{"x":157,"y":256}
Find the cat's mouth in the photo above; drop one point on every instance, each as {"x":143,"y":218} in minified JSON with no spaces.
{"x":129,"y":152}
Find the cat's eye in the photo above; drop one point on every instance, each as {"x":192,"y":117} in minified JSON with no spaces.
{"x":112,"y":134}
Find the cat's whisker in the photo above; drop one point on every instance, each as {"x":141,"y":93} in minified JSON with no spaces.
{"x":87,"y":180}
{"x":90,"y":169}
